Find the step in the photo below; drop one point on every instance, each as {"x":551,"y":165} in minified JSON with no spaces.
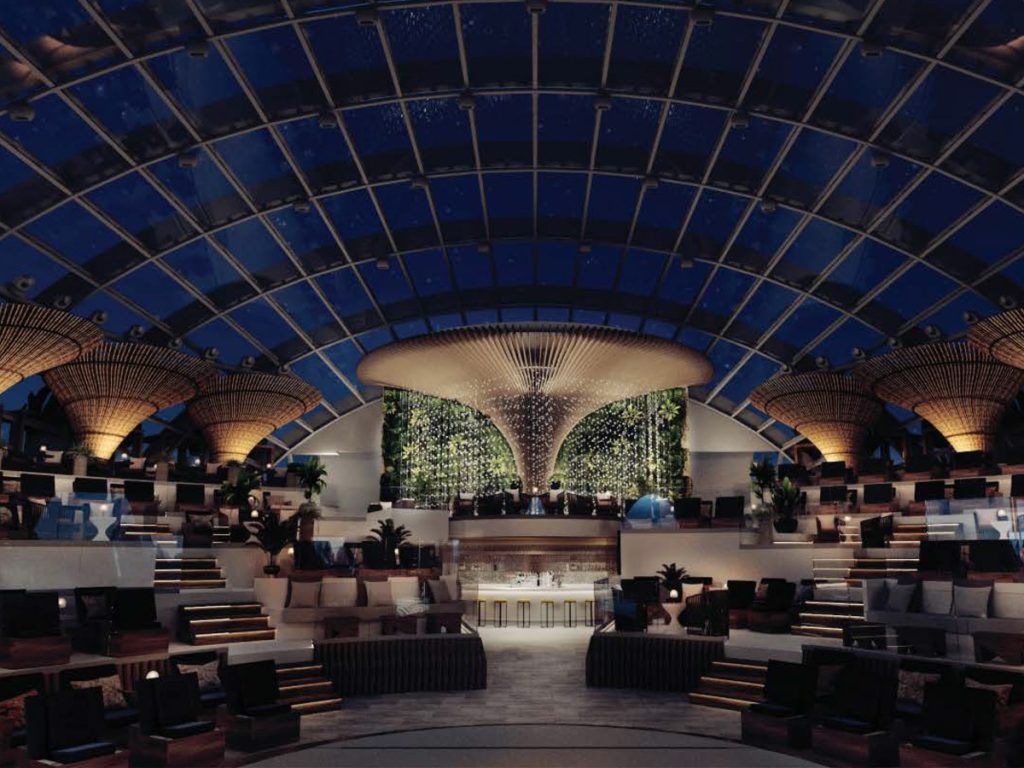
{"x":229,"y":623}
{"x":832,"y":620}
{"x":330,"y":704}
{"x":816,"y":630}
{"x":750,"y":671}
{"x":186,"y":563}
{"x":733,"y":689}
{"x":216,"y":638}
{"x":184,"y":574}
{"x":295,"y":691}
{"x":846,"y":607}
{"x":301,"y":670}
{"x":190,"y":583}
{"x":221,"y":610}
{"x":719,"y":702}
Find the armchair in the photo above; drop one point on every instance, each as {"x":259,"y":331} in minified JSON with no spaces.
{"x":67,"y":728}
{"x":854,"y":728}
{"x":119,"y":622}
{"x":254,"y":717}
{"x":170,"y":731}
{"x":741,"y":597}
{"x":30,"y":633}
{"x":783,"y":717}
{"x":771,"y":609}
{"x":957,"y":728}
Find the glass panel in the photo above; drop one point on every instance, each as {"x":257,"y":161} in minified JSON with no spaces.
{"x":306,"y":309}
{"x":565,"y":126}
{"x":203,"y":189}
{"x":429,"y":272}
{"x":253,"y":246}
{"x":206,"y":269}
{"x":497,"y":39}
{"x":132,"y":202}
{"x":382,"y":141}
{"x":307,"y":236}
{"x":350,"y":301}
{"x":424,"y":49}
{"x":351,"y":58}
{"x":627,"y":133}
{"x":644,"y":48}
{"x":760,"y":312}
{"x":60,"y":38}
{"x":321,"y":154}
{"x":571,"y":44}
{"x":257,"y":162}
{"x":442,"y":134}
{"x":138,"y":286}
{"x":408,"y":215}
{"x":267,"y":326}
{"x":859,"y":273}
{"x":641,"y":272}
{"x":556,"y":264}
{"x":356,"y":221}
{"x":277,"y":69}
{"x":717,"y":59}
{"x":504,"y":127}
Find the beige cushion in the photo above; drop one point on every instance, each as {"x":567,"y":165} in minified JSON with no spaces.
{"x":378,"y":593}
{"x":899,"y":597}
{"x":303,"y":594}
{"x":339,"y":593}
{"x":404,"y":589}
{"x":438,"y":591}
{"x":827,"y":523}
{"x":911,"y":685}
{"x":454,"y":588}
{"x":1002,"y":691}
{"x":1008,"y":600}
{"x":208,"y":674}
{"x":936,"y":597}
{"x":689,"y":590}
{"x":971,"y":602}
{"x":110,"y":687}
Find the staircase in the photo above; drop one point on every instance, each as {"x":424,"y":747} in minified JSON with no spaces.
{"x":146,"y":532}
{"x":220,"y":623}
{"x":305,"y":687}
{"x":826,"y":618}
{"x":176,"y":573}
{"x":731,"y":684}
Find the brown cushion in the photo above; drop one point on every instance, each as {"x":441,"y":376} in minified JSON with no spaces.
{"x":208,"y":674}
{"x":1002,"y":691}
{"x":110,"y":687}
{"x":303,"y":594}
{"x":912,"y":684}
{"x":12,"y":710}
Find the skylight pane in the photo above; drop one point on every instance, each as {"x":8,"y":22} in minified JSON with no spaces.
{"x":252,"y":244}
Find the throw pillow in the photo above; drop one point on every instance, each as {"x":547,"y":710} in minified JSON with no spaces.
{"x":971,"y":602}
{"x":1008,"y":600}
{"x":1002,"y":691}
{"x":208,"y":674}
{"x":378,"y":593}
{"x":827,"y":523}
{"x":339,"y":593}
{"x":110,"y":687}
{"x":911,"y":685}
{"x":95,"y":606}
{"x":899,"y":597}
{"x":762,"y":592}
{"x":438,"y":591}
{"x":303,"y":594}
{"x":454,"y":589}
{"x":12,"y":710}
{"x":689,"y":590}
{"x":828,"y":676}
{"x":404,"y":589}
{"x":936,"y":597}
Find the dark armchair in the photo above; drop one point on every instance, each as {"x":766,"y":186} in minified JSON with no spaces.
{"x":171,"y":731}
{"x":741,"y":597}
{"x":119,"y":621}
{"x":783,"y":717}
{"x":30,"y":632}
{"x":957,"y":728}
{"x":67,"y":727}
{"x":771,"y":610}
{"x":117,"y":707}
{"x":255,"y":718}
{"x":854,"y":727}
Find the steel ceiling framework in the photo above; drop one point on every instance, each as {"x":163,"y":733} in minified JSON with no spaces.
{"x":849,"y":43}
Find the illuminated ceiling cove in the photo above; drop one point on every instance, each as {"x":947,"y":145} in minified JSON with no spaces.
{"x":768,"y":182}
{"x":535,"y":382}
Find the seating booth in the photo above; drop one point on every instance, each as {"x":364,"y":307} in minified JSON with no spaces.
{"x":171,"y":731}
{"x":783,"y":718}
{"x":211,"y":692}
{"x":14,"y":691}
{"x":957,"y":728}
{"x":873,"y":471}
{"x":832,"y":473}
{"x":854,"y":727}
{"x":728,"y":512}
{"x":741,"y":597}
{"x":30,"y":633}
{"x":118,"y":712}
{"x":66,"y":728}
{"x":119,"y":622}
{"x":921,"y":467}
{"x":771,"y":610}
{"x":253,"y":717}
{"x":969,"y":464}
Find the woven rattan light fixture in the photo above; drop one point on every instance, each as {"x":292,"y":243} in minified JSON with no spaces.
{"x":109,"y":391}
{"x":832,"y":410}
{"x":236,"y":412}
{"x":35,"y":338}
{"x":535,"y":382}
{"x":1002,"y":336}
{"x":961,"y":389}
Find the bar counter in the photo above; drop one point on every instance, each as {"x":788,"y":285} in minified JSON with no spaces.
{"x":535,"y":596}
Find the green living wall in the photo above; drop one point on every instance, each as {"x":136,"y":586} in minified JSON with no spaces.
{"x":435,"y":448}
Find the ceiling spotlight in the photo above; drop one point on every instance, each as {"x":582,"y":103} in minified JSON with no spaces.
{"x":188,"y":160}
{"x":685,"y":262}
{"x":302,"y":206}
{"x":1007,"y":302}
{"x":871,"y":49}
{"x":367,"y":17}
{"x":284,"y":368}
{"x":768,"y":205}
{"x":419,"y":182}
{"x":650,"y":182}
{"x":99,"y":317}
{"x":602,"y":101}
{"x":786,"y":368}
{"x":483,"y":248}
{"x":859,"y":353}
{"x":136,"y":332}
{"x":211,"y":353}
{"x":22,"y":112}
{"x":248,"y":361}
{"x":23,"y":283}
{"x":466,"y":101}
{"x":822,"y":362}
{"x":584,"y":247}
{"x":739,"y":119}
{"x":932,"y":332}
{"x":198,"y":49}
{"x":894,"y":342}
{"x":327,"y":120}
{"x":971,"y":317}
{"x":702,"y":16}
{"x":383,"y":263}
{"x":536,"y":7}
{"x":175,"y":342}
{"x":879,"y":160}
{"x":62,"y":302}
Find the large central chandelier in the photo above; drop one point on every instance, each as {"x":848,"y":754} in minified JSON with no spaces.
{"x":535,"y":382}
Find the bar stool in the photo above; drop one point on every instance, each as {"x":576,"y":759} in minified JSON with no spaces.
{"x":481,"y":613}
{"x":569,"y":613}
{"x":499,"y":615}
{"x":588,"y":613}
{"x":523,"y":613}
{"x":547,"y":613}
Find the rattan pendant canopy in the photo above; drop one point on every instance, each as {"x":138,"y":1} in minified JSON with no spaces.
{"x":535,"y":382}
{"x":34,"y":338}
{"x":1002,"y":336}
{"x":832,"y":410}
{"x":235,"y":412}
{"x":961,"y":389}
{"x":109,"y":391}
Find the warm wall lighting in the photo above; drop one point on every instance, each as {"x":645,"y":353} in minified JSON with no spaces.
{"x":152,"y":674}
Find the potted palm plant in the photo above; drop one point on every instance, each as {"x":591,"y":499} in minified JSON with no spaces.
{"x":785,"y":500}
{"x":239,"y":492}
{"x":384,"y":541}
{"x":272,"y":534}
{"x":762,"y":477}
{"x":313,"y":480}
{"x":672,"y":580}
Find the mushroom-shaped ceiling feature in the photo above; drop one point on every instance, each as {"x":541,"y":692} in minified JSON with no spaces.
{"x":535,"y":381}
{"x":830,"y":409}
{"x":235,"y":412}
{"x":34,"y":338}
{"x":1002,"y":336}
{"x":109,"y":391}
{"x":961,"y":389}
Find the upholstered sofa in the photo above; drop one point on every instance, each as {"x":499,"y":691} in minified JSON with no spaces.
{"x":934,"y":605}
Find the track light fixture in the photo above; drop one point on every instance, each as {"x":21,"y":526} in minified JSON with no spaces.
{"x":302,"y":206}
{"x":602,"y":101}
{"x":1007,"y":302}
{"x":248,"y":361}
{"x":859,"y":354}
{"x":466,"y":101}
{"x":739,"y":120}
{"x":22,"y":112}
{"x":769,"y":206}
{"x":879,"y":160}
{"x":23,"y":283}
{"x":651,"y":182}
{"x":894,"y":342}
{"x":483,"y":248}
{"x":62,"y":302}
{"x":326,"y":121}
{"x":932,"y":332}
{"x":584,"y":247}
{"x":536,"y":7}
{"x":971,"y":318}
{"x":822,"y":362}
{"x":685,"y":262}
{"x":99,"y":317}
{"x":284,"y":368}
{"x":383,"y":263}
{"x":175,"y":342}
{"x":871,"y":49}
{"x":198,"y":49}
{"x":702,"y":16}
{"x":419,"y":182}
{"x":211,"y":353}
{"x":136,"y":332}
{"x":188,"y":159}
{"x":367,"y":17}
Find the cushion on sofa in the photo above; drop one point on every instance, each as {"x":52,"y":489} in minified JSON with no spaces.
{"x":110,"y":687}
{"x":303,"y":594}
{"x":1002,"y":691}
{"x":937,"y":597}
{"x":971,"y":600}
{"x":899,"y":597}
{"x":378,"y":593}
{"x":80,"y":752}
{"x":454,"y":588}
{"x":438,"y":591}
{"x":1007,"y":600}
{"x":404,"y":589}
{"x":208,"y":674}
{"x":911,"y":685}
{"x":339,"y":593}
{"x":12,"y":710}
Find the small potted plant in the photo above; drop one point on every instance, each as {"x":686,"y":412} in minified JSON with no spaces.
{"x":762,"y":477}
{"x":272,"y":534}
{"x":785,"y":500}
{"x":672,"y":580}
{"x":312,"y":478}
{"x":80,"y":454}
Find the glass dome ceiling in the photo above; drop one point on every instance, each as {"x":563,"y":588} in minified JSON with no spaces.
{"x":833,"y":173}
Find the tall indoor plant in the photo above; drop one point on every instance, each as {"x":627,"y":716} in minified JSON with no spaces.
{"x":388,"y":537}
{"x":238,"y":492}
{"x":272,"y":534}
{"x":785,"y":500}
{"x":313,"y":480}
{"x":672,"y":579}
